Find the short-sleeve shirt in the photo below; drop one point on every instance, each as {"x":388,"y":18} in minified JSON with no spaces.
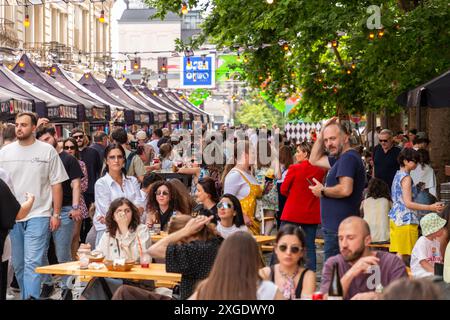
{"x":137,"y":167}
{"x":428,"y":250}
{"x":9,"y":207}
{"x":334,"y":210}
{"x":193,"y":260}
{"x":73,"y":170}
{"x":35,"y":169}
{"x":390,"y":268}
{"x":386,"y":164}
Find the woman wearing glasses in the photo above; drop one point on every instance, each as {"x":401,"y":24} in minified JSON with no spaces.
{"x":163,"y":203}
{"x":71,"y":147}
{"x":114,"y":184}
{"x":291,"y":277}
{"x":404,"y":222}
{"x":230,"y":214}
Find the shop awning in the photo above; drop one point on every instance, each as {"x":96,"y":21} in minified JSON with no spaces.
{"x":29,"y":71}
{"x":12,"y":103}
{"x":46,"y":105}
{"x":99,"y":112}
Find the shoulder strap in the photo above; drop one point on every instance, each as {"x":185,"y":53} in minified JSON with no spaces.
{"x":272,"y":273}
{"x":298,"y":291}
{"x":129,"y":159}
{"x":242,"y":175}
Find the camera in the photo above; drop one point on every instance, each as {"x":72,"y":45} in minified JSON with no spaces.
{"x":133,"y":145}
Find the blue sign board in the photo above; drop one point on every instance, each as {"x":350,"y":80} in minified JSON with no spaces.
{"x":198,"y":72}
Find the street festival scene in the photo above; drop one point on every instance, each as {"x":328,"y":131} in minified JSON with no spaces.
{"x":224,"y":150}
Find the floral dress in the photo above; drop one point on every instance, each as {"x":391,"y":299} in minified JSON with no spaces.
{"x":84,"y":186}
{"x":399,"y":213}
{"x":268,"y":201}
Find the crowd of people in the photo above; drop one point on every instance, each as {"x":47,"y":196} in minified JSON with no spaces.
{"x":107,"y":192}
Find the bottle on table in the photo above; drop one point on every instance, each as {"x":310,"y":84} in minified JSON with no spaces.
{"x":335,"y":291}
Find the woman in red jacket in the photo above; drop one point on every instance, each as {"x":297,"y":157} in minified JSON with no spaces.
{"x":302,"y":208}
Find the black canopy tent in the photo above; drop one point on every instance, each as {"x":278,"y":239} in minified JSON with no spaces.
{"x":12,"y":103}
{"x":182,"y":114}
{"x":146,"y":115}
{"x":45,"y":105}
{"x":121,"y":112}
{"x":100,"y":111}
{"x":29,"y":71}
{"x":197,"y":116}
{"x":162,"y":113}
{"x":186,"y":102}
{"x":434,"y":94}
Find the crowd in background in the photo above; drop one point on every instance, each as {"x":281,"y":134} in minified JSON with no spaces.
{"x":108,"y":192}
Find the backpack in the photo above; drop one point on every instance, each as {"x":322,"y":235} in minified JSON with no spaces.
{"x":129,"y":160}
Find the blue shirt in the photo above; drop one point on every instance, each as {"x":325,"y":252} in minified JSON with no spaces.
{"x":399,"y":213}
{"x":334,"y":210}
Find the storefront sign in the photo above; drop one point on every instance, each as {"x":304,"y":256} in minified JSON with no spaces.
{"x":198,"y":71}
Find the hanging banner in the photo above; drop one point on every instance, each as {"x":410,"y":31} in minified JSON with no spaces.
{"x":198,"y":71}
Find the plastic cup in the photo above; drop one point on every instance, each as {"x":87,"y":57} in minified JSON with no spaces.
{"x":145,"y":260}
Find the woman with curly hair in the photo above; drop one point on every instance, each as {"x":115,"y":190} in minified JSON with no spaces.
{"x":164,"y":201}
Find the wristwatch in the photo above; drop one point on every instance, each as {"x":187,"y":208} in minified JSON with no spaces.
{"x":76,"y":207}
{"x":322,"y":192}
{"x":57,"y":216}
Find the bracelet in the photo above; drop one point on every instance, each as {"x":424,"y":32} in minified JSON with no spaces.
{"x":57,"y":216}
{"x":322,"y":192}
{"x":76,"y":207}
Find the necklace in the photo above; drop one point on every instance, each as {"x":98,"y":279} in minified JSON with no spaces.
{"x":288,"y":284}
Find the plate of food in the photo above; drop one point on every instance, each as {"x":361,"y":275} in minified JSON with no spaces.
{"x":119,"y":264}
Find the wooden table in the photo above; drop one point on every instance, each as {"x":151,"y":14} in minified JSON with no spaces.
{"x":156,"y":271}
{"x":259,"y":239}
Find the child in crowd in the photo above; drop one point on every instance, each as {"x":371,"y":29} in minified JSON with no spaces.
{"x":426,"y":251}
{"x":375,"y":209}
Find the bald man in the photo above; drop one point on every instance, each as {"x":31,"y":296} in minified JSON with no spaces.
{"x":362,"y":270}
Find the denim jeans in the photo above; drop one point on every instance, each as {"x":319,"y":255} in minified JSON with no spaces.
{"x":331,"y":245}
{"x":29,"y":243}
{"x":310,"y":239}
{"x":62,"y":238}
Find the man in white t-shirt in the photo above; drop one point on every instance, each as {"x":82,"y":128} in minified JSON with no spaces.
{"x":35,"y":167}
{"x":156,"y":135}
{"x":427,"y":250}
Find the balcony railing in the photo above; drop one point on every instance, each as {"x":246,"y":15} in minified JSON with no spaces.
{"x":8,"y":35}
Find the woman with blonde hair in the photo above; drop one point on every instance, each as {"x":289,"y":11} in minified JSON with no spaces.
{"x":237,"y":281}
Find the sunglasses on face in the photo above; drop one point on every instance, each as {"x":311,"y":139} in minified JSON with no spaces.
{"x":293,"y":249}
{"x":224,"y":205}
{"x":69,"y":148}
{"x":79,"y":137}
{"x":112,"y":158}
{"x":162,"y":193}
{"x":384,"y":140}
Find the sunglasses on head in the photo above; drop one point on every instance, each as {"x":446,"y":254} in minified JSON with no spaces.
{"x":162,"y":193}
{"x":69,"y":148}
{"x":224,"y":205}
{"x":293,"y":249}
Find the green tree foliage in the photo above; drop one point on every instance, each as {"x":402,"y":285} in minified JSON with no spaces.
{"x":254,"y":115}
{"x":286,"y":46}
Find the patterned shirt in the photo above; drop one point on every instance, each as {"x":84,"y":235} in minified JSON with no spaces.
{"x":194,"y":260}
{"x":399,"y":213}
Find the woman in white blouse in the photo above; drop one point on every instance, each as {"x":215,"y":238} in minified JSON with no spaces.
{"x":125,"y":237}
{"x":114,"y":184}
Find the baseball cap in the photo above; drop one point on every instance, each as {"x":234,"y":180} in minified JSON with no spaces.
{"x":141,"y":135}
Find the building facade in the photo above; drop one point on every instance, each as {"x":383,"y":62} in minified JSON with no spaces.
{"x":67,"y":32}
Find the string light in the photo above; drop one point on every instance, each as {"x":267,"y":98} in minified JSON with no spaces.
{"x":269,"y":1}
{"x":53,"y":69}
{"x":184,"y":8}
{"x":26,"y":21}
{"x":353,"y":66}
{"x":135,"y":65}
{"x":101,"y":19}
{"x":124,"y":69}
{"x":349,"y":71}
{"x":285,"y":46}
{"x":334,"y":43}
{"x":21,"y":63}
{"x":380,"y":33}
{"x":371,"y":35}
{"x":188,"y":62}
{"x":238,"y":58}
